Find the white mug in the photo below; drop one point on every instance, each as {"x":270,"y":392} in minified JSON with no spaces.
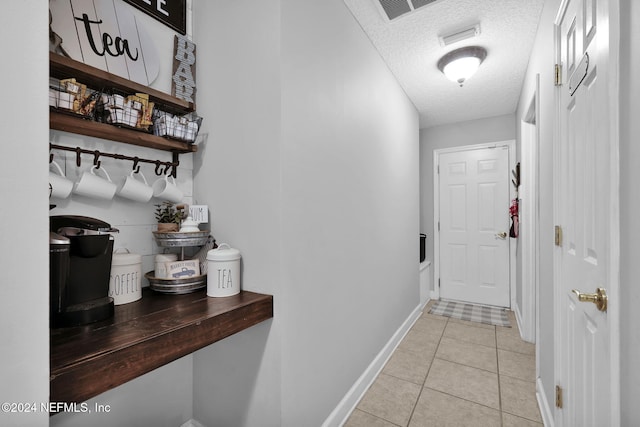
{"x":161,"y":262}
{"x":91,"y":185}
{"x":60,"y":186}
{"x":166,"y":190}
{"x":131,"y":188}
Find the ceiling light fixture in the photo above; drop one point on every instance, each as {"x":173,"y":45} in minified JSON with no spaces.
{"x":460,"y":64}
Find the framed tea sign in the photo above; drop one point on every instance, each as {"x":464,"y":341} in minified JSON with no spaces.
{"x":172,"y":13}
{"x":104,"y":34}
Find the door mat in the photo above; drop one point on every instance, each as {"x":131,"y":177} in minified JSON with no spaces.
{"x":471,"y":312}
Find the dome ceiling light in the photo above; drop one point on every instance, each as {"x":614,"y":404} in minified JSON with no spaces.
{"x":460,"y":64}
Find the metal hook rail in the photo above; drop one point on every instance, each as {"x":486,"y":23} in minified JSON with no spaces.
{"x":162,"y":168}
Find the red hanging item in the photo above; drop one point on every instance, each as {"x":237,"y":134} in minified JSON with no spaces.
{"x":515,"y":221}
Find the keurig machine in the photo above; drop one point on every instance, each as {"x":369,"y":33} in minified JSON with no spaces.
{"x":80,"y":256}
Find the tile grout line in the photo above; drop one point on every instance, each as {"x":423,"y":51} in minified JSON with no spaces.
{"x":495,"y":337}
{"x":501,"y":411}
{"x":470,"y":342}
{"x":516,"y":378}
{"x":468,"y":366}
{"x":375,"y":416}
{"x":467,"y":400}
{"x":427,"y":375}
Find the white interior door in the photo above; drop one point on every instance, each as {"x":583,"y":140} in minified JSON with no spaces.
{"x":586,"y":200}
{"x":474,"y":225}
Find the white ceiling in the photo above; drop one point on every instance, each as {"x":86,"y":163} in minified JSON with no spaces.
{"x":410,"y":47}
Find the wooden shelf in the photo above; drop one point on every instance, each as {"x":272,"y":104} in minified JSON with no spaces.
{"x":144,"y":335}
{"x":78,"y":125}
{"x":62,"y":67}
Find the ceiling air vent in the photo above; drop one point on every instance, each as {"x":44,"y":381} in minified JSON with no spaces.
{"x":420,"y":3}
{"x":393,"y":9}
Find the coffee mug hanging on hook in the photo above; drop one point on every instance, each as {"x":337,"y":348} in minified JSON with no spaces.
{"x":165,"y":188}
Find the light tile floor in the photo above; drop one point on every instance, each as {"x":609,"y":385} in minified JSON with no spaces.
{"x":448,"y":372}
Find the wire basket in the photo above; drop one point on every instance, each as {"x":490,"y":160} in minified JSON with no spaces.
{"x":183,"y":128}
{"x":72,"y":97}
{"x":131,"y":111}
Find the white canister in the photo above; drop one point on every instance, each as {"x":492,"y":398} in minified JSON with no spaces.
{"x":125,"y":284}
{"x":223,"y":271}
{"x":161,"y":261}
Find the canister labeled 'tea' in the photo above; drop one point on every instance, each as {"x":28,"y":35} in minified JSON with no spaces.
{"x":223,"y":275}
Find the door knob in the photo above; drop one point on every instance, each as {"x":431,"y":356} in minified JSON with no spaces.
{"x":502,"y":235}
{"x":599,"y":298}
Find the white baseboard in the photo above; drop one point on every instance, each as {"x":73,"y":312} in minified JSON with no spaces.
{"x":516,"y":311}
{"x":420,"y":308}
{"x":524,"y":332}
{"x":348,"y":403}
{"x":192,"y":423}
{"x":543,"y":404}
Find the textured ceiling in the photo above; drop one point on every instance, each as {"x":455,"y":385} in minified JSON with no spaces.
{"x":410,"y":47}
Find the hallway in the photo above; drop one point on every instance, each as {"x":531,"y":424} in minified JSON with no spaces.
{"x":449,"y":372}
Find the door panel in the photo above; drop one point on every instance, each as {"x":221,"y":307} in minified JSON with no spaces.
{"x":474,"y":203}
{"x":584,"y":211}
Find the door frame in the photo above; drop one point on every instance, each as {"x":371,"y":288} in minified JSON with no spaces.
{"x":613,"y":285}
{"x":511,"y":146}
{"x":527,"y":315}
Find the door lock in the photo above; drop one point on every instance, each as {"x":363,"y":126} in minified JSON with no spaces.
{"x":501,"y":235}
{"x":600,"y":298}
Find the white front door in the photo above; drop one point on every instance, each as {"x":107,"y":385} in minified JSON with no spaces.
{"x":586,"y":166}
{"x":474,"y":225}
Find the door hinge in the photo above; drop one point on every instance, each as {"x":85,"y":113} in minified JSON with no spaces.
{"x":558,"y":396}
{"x":438,"y":225}
{"x":558,"y":235}
{"x":558,"y":75}
{"x":438,"y":169}
{"x":438,"y":282}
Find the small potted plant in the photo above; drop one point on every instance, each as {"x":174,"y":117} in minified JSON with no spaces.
{"x":168,"y":217}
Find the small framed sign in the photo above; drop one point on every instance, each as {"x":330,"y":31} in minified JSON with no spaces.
{"x":172,"y":13}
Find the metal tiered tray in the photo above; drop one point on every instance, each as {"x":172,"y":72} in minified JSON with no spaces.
{"x":180,"y":240}
{"x":176,"y":286}
{"x":177,"y":239}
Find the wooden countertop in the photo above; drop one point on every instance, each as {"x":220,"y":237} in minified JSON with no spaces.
{"x":144,"y":335}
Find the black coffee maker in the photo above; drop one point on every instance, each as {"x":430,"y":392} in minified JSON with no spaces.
{"x":80,"y":266}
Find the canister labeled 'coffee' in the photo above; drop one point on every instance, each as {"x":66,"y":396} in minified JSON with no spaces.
{"x":126,"y":275}
{"x":223,"y":275}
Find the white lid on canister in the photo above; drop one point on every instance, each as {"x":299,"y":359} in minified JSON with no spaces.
{"x":223,"y":252}
{"x":125,"y":258}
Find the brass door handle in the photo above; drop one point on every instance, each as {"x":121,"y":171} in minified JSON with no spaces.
{"x":599,"y":298}
{"x":502,"y":235}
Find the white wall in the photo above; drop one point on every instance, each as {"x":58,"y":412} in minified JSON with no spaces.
{"x":492,"y":129}
{"x":24,"y":225}
{"x":312,"y":172}
{"x":629,"y":208}
{"x":237,"y":173}
{"x":350,"y":207}
{"x":542,"y":62}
